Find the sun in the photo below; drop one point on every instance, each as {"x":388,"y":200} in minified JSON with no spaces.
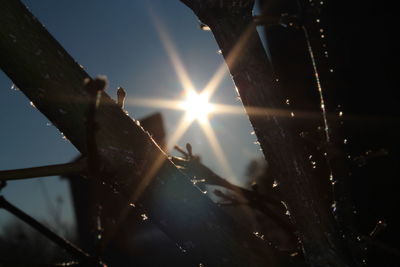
{"x":196,"y":106}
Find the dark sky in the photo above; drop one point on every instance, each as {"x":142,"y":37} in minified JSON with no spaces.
{"x":117,"y":39}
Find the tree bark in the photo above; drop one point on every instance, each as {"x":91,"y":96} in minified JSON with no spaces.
{"x":129,"y":160}
{"x":232,"y":26}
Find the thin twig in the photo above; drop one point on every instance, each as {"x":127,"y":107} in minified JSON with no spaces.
{"x":211,"y":178}
{"x":193,"y":167}
{"x":182,"y":151}
{"x":73,"y":168}
{"x":255,"y":200}
{"x":68,"y":246}
{"x":94,"y":87}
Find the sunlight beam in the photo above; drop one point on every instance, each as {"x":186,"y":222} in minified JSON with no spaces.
{"x":215,"y":81}
{"x":254,"y":111}
{"x":258,"y":111}
{"x":154,"y":102}
{"x":183,"y":125}
{"x":216,"y":147}
{"x":230,"y":61}
{"x":180,"y":70}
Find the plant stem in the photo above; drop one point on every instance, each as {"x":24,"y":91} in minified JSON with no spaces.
{"x":72,"y":168}
{"x":68,"y":246}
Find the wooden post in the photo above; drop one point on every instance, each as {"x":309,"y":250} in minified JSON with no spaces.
{"x":231,"y":23}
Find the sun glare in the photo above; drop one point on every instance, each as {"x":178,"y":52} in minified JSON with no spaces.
{"x":196,"y":106}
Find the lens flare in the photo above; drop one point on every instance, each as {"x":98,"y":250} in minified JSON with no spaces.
{"x":196,"y":106}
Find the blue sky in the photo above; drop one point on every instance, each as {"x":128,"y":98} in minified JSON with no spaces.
{"x":117,"y":39}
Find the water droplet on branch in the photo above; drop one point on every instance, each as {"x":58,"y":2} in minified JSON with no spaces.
{"x":63,"y":136}
{"x":144,"y":217}
{"x":14,"y":87}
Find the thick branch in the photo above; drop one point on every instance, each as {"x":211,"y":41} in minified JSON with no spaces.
{"x":233,"y":28}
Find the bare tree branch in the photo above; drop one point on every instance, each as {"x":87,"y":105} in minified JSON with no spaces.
{"x":233,"y":27}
